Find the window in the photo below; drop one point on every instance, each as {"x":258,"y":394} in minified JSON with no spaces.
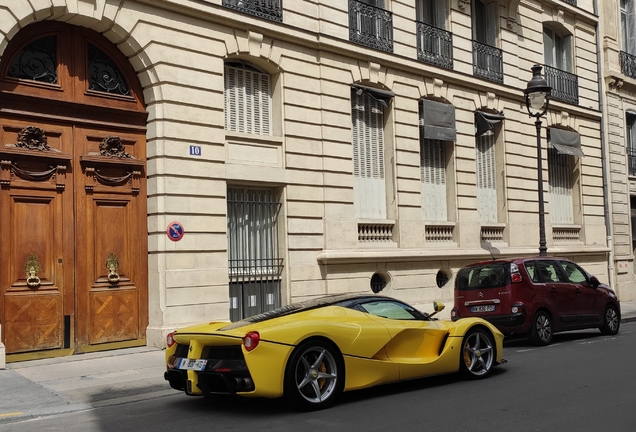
{"x":557,"y":50}
{"x":560,"y":184}
{"x":367,"y":115}
{"x":486,"y":178}
{"x":574,"y":273}
{"x":247,"y":99}
{"x":391,"y":310}
{"x":485,"y":15}
{"x":370,"y":24}
{"x":437,"y":132}
{"x":432,"y":12}
{"x":487,"y":58}
{"x":254,"y":262}
{"x":434,"y":43}
{"x":628,"y":26}
{"x":630,"y":120}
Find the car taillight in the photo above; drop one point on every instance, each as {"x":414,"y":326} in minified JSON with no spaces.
{"x":170,"y":339}
{"x":251,"y":340}
{"x":515,"y":276}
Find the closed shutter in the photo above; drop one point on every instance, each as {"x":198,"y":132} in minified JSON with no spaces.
{"x":247,"y":101}
{"x":486,"y":178}
{"x":560,"y":183}
{"x":433,"y":175}
{"x":368,"y":156}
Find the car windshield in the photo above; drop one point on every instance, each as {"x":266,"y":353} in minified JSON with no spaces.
{"x":491,"y":275}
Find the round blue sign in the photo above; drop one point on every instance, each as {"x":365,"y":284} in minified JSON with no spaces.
{"x":175,"y":231}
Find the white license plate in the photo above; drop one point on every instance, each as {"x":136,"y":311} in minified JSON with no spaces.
{"x":486,"y":308}
{"x":192,"y":364}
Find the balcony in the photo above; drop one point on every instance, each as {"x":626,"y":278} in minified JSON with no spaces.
{"x":434,"y":45}
{"x":631,"y":161}
{"x":628,"y":64}
{"x":487,"y":62}
{"x":572,"y":2}
{"x":370,"y":26}
{"x":268,"y":9}
{"x":565,"y":85}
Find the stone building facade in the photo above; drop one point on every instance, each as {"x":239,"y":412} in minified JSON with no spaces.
{"x":618,"y":30}
{"x":294,"y":148}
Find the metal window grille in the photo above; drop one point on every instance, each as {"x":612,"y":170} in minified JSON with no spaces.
{"x":371,"y":25}
{"x":254,"y":261}
{"x":434,"y":45}
{"x":268,"y":9}
{"x":560,"y":183}
{"x":565,"y":85}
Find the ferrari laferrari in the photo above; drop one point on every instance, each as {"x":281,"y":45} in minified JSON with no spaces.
{"x":312,"y":351}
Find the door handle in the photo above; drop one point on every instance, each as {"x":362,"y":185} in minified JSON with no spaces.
{"x":112,"y":265}
{"x":32,"y":267}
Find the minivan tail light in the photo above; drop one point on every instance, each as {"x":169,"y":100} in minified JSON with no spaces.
{"x":515,"y":275}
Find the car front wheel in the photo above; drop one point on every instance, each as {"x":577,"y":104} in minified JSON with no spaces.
{"x":478,"y":354}
{"x":541,"y":331}
{"x":314,"y":376}
{"x":611,"y":320}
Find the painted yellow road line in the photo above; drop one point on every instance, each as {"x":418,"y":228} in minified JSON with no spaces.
{"x":11,"y":414}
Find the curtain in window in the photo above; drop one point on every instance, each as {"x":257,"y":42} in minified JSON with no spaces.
{"x":486,"y":178}
{"x":247,"y":101}
{"x":560,"y":184}
{"x":557,"y":50}
{"x":432,"y":12}
{"x":485,"y":18}
{"x":367,"y":116}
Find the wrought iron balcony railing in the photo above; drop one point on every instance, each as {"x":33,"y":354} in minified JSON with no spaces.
{"x":631,"y":160}
{"x":572,"y":2}
{"x":565,"y":85}
{"x":628,"y":64}
{"x":487,"y":62}
{"x":268,"y":9}
{"x":370,"y":26}
{"x":434,"y":45}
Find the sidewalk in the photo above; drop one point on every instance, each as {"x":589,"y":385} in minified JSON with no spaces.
{"x":38,"y":388}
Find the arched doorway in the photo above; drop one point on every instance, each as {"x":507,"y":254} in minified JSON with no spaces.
{"x":73,"y":229}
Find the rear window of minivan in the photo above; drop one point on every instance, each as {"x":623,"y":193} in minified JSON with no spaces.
{"x":491,"y":275}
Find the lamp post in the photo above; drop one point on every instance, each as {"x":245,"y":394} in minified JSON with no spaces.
{"x":537,"y":94}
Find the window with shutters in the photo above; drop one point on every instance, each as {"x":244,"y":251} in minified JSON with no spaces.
{"x":558,"y":57}
{"x":487,"y":58}
{"x":486,"y":177}
{"x":247,"y":99}
{"x":560,"y":173}
{"x":254,"y":262}
{"x":433,"y":177}
{"x":367,"y":115}
{"x":630,"y":119}
{"x":628,"y":37}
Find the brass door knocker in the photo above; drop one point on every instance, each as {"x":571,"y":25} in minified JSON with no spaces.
{"x":112,"y":265}
{"x":32,"y":267}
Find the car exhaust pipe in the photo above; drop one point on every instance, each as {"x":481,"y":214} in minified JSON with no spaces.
{"x":243,"y":383}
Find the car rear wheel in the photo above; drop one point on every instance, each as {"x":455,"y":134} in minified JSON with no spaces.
{"x":478,"y":354}
{"x":541,"y":331}
{"x":314,"y":376}
{"x":611,"y":320}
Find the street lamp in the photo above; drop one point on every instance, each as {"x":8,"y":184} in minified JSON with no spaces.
{"x":537,"y":94}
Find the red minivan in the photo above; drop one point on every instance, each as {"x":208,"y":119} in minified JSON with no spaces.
{"x":537,"y":296}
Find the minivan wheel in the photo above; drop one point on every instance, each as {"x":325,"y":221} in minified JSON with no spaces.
{"x":611,"y":320}
{"x":541,"y":331}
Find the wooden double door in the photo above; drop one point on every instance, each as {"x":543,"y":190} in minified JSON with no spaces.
{"x":73,"y":217}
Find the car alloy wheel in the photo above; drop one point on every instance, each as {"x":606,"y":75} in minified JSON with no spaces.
{"x":315,"y":375}
{"x":611,"y":321}
{"x":541,"y":330}
{"x":478,"y":354}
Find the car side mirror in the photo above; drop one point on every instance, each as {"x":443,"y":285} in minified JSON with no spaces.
{"x":594,"y":282}
{"x":437,"y":307}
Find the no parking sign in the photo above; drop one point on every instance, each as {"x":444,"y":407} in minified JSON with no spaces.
{"x":175,"y":231}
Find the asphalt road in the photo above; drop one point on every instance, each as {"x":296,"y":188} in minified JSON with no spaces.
{"x":583,"y":382}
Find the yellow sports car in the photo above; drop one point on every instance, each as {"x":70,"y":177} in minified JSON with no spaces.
{"x":312,"y":351}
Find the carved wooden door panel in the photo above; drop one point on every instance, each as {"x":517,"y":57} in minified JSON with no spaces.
{"x":36,"y":236}
{"x":111,"y":271}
